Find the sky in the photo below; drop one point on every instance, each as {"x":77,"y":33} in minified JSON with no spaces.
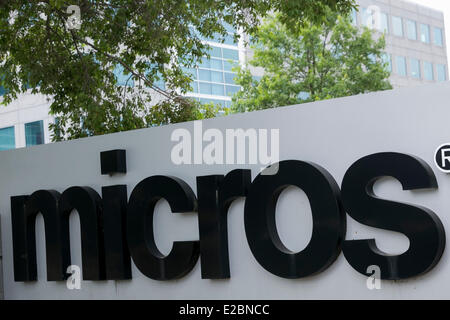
{"x":444,"y":6}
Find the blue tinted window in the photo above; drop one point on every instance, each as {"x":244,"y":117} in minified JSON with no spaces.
{"x":204,"y":75}
{"x":216,"y":76}
{"x":34,"y":133}
{"x":218,"y":90}
{"x":229,"y":27}
{"x":353,"y":17}
{"x":205,"y":63}
{"x":231,"y":90}
{"x":415,"y":68}
{"x":425,"y":33}
{"x":441,"y":72}
{"x":7,"y":139}
{"x":384,"y":24}
{"x":387,"y":60}
{"x":194,"y":85}
{"x":438,"y":37}
{"x":229,"y":39}
{"x":227,"y":66}
{"x":229,"y":77}
{"x":192,"y":72}
{"x":401,"y":66}
{"x":231,"y":54}
{"x":215,"y":52}
{"x":2,"y":90}
{"x":160,"y":82}
{"x":223,"y":103}
{"x":205,"y":88}
{"x":123,"y":79}
{"x":428,"y":71}
{"x":397,"y":26}
{"x":411,"y":29}
{"x":216,"y":64}
{"x":304,"y":95}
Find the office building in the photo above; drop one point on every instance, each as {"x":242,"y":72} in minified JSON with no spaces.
{"x":415,"y":51}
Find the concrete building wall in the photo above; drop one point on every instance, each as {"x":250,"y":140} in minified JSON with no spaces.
{"x":402,"y":46}
{"x":27,"y":108}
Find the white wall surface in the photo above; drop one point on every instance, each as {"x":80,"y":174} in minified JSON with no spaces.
{"x":27,"y":108}
{"x":333,"y":133}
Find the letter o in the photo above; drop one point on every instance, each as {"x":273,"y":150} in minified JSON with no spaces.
{"x":329,"y":223}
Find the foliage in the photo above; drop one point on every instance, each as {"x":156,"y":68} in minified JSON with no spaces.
{"x":313,"y":62}
{"x":150,"y":40}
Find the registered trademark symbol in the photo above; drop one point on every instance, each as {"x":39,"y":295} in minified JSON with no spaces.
{"x":442,"y":157}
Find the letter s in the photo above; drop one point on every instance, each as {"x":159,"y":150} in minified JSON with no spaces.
{"x":422,"y":226}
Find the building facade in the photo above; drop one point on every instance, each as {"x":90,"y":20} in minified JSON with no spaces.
{"x":415,"y":51}
{"x":415,"y":39}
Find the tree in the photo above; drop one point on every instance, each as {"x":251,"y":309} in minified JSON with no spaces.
{"x":149,"y":41}
{"x":312,"y":62}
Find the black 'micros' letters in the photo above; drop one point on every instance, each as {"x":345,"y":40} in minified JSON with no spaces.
{"x":422,"y":227}
{"x":215,"y":195}
{"x":87,"y":202}
{"x":114,"y":230}
{"x":117,"y":256}
{"x":147,"y":257}
{"x":329,"y":223}
{"x":23,"y":216}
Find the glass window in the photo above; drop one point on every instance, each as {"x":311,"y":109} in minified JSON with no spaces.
{"x":205,"y":63}
{"x":7,"y":139}
{"x":353,"y":17}
{"x":34,"y":133}
{"x":217,"y":76}
{"x":227,"y":66}
{"x":441,"y":72}
{"x":424,"y":33}
{"x":159,"y":81}
{"x":401,"y":66}
{"x":191,"y":72}
{"x":223,"y":103}
{"x":397,"y":26}
{"x":231,"y":90}
{"x":216,"y":64}
{"x":218,"y":89}
{"x":2,"y":91}
{"x":230,"y":54}
{"x":384,"y":24}
{"x":375,"y":19}
{"x":411,"y":29}
{"x":415,"y":68}
{"x":215,"y":52}
{"x":428,"y":71}
{"x":229,"y":77}
{"x":229,"y":39}
{"x":257,"y":78}
{"x":368,"y":18}
{"x":205,"y":88}
{"x":194,"y":85}
{"x":122,"y":78}
{"x":160,"y":84}
{"x":386,"y":58}
{"x":204,"y":75}
{"x":438,"y":37}
{"x":229,"y":27}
